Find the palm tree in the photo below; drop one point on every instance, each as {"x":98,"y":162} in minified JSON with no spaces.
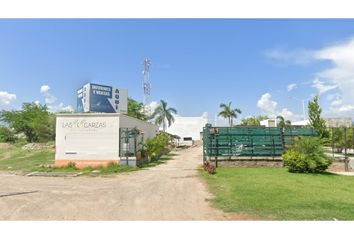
{"x":163,"y":114}
{"x":228,"y":112}
{"x":282,"y":123}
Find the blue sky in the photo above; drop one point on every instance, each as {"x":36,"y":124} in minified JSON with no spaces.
{"x":196,"y":63}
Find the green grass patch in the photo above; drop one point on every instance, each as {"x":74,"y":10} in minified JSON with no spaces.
{"x":274,"y":193}
{"x":13,"y":158}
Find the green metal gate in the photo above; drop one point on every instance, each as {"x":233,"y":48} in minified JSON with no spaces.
{"x":249,"y":141}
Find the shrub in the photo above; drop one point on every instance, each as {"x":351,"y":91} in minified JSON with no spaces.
{"x":7,"y":135}
{"x":157,"y":146}
{"x":306,"y":156}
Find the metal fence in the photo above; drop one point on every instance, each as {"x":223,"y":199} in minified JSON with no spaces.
{"x":249,"y":141}
{"x":129,"y":142}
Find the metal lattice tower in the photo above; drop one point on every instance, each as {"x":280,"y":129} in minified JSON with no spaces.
{"x":147,"y":86}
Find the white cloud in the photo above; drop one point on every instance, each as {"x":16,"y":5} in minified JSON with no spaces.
{"x":322,"y":87}
{"x":68,"y":108}
{"x":292,"y":87}
{"x":45,"y":88}
{"x":338,"y":77}
{"x":266,"y":104}
{"x":60,"y":108}
{"x":346,"y":108}
{"x":335,"y":99}
{"x":152,"y":106}
{"x":269,"y":107}
{"x":341,"y":74}
{"x":299,"y":56}
{"x":6,"y":98}
{"x":50,"y":100}
{"x":286,"y":113}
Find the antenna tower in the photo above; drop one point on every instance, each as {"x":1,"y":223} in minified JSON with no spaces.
{"x":146,"y":86}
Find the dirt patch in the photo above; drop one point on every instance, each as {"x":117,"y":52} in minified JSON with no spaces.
{"x":170,"y":191}
{"x":36,"y":146}
{"x":338,"y":166}
{"x":5,"y":145}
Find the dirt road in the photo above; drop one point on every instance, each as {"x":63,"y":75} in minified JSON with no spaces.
{"x":171,"y":191}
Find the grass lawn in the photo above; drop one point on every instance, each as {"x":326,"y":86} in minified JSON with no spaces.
{"x":275,"y":194}
{"x":13,"y":158}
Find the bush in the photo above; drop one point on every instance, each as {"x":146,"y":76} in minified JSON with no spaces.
{"x":157,"y":146}
{"x":7,"y":135}
{"x":307,"y":156}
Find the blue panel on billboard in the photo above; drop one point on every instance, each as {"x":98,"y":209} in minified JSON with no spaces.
{"x":80,"y":104}
{"x":99,"y":99}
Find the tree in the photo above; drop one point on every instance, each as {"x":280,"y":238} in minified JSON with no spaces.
{"x":33,"y":120}
{"x":163,"y":114}
{"x":7,"y":134}
{"x":136,"y":109}
{"x":282,"y":123}
{"x":253,"y":121}
{"x":316,"y":121}
{"x":228,"y":112}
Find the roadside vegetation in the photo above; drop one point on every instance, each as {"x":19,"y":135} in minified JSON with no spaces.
{"x":15,"y":159}
{"x":34,"y":125}
{"x":302,"y":190}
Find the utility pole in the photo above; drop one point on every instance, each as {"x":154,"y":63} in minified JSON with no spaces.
{"x":303,"y":105}
{"x":146,"y":86}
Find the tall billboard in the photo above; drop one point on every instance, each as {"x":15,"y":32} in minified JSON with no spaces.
{"x":101,"y":98}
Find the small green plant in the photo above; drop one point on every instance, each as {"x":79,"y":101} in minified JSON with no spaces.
{"x":71,"y":165}
{"x":306,"y":156}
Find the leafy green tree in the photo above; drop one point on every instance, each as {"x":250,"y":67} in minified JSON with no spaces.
{"x":253,"y":121}
{"x":163,"y":114}
{"x":316,"y":121}
{"x":136,"y":109}
{"x":7,"y":134}
{"x":228,"y":112}
{"x":33,"y":120}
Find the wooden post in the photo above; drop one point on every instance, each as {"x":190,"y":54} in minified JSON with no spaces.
{"x":346,"y":162}
{"x":217,"y":151}
{"x":352,"y":140}
{"x":332,"y":143}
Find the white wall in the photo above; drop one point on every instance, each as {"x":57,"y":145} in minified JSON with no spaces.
{"x":150,"y":130}
{"x":188,"y":127}
{"x":87,"y":137}
{"x":94,"y":136}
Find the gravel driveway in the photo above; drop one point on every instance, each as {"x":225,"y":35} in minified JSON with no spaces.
{"x":171,"y":191}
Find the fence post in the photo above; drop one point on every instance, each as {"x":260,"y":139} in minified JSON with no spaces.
{"x":346,"y":162}
{"x":217,"y":152}
{"x":332,"y":143}
{"x":273,"y":147}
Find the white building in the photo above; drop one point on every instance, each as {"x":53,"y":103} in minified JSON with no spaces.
{"x":269,"y":123}
{"x":188,"y":128}
{"x":93,"y":139}
{"x":301,"y":123}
